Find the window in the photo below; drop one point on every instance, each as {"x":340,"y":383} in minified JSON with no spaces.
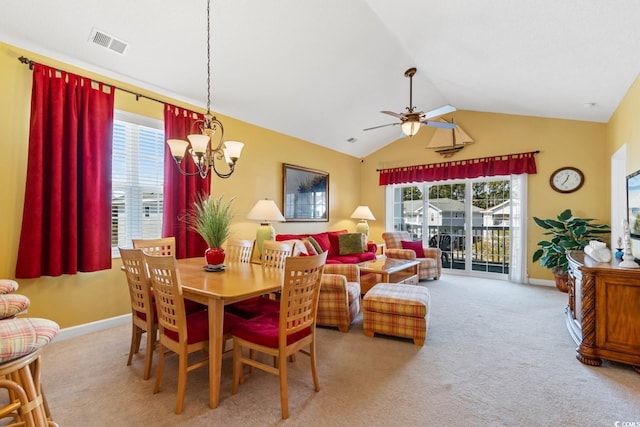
{"x":137,"y":179}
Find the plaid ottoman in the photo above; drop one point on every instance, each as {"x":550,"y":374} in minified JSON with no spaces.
{"x":397,"y":309}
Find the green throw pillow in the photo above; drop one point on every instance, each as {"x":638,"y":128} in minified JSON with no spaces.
{"x":352,"y":243}
{"x":315,"y":245}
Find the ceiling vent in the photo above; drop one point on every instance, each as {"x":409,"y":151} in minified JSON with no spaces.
{"x":105,"y":40}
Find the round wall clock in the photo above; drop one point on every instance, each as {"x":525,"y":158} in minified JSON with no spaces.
{"x":566,"y":179}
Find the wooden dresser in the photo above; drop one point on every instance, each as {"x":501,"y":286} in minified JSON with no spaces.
{"x":603,"y":315}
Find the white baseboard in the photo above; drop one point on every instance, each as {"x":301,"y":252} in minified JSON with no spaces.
{"x":87,"y":328}
{"x":542,"y":282}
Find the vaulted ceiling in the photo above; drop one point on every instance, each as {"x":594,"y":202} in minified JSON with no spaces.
{"x":322,"y":70}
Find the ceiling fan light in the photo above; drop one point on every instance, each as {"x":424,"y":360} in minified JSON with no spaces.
{"x":410,"y":127}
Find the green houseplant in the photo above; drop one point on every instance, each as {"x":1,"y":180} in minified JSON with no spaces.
{"x":211,"y":218}
{"x":567,"y":233}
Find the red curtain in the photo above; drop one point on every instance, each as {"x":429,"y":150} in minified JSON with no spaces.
{"x":180,"y":190}
{"x":472,"y":168}
{"x":66,"y":221}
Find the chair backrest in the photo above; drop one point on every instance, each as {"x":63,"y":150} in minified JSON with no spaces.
{"x":134,"y":266}
{"x":163,"y":246}
{"x":300,"y":293}
{"x":275,"y":253}
{"x":239,"y":250}
{"x":393,"y":239}
{"x":163,"y":272}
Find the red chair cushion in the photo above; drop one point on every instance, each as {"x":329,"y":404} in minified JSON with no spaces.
{"x":264,"y":330}
{"x":253,"y":307}
{"x":198,"y":326}
{"x":414,"y":246}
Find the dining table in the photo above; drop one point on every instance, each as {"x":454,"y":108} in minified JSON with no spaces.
{"x":236,"y":282}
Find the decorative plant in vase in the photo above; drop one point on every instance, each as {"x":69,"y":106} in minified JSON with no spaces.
{"x":568,"y":233}
{"x":211,"y":218}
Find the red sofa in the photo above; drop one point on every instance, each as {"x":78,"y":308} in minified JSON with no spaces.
{"x":328,"y":241}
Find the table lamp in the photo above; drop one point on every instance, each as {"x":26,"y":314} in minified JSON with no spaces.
{"x":265,"y":211}
{"x":363,"y":213}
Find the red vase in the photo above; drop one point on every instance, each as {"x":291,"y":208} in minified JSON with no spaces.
{"x":214,"y":256}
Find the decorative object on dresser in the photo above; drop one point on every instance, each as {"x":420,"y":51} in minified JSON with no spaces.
{"x":567,"y":233}
{"x":602,"y":314}
{"x":627,"y":257}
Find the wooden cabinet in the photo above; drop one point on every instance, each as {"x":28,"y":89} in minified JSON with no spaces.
{"x":603,"y":315}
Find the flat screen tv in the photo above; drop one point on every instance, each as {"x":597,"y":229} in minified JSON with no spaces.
{"x":633,"y":212}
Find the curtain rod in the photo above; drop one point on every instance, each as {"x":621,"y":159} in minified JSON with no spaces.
{"x":499,"y":155}
{"x":30,"y":63}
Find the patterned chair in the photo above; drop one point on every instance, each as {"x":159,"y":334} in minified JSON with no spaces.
{"x":430,"y":264}
{"x":339,"y":301}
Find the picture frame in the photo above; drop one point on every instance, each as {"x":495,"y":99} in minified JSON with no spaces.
{"x":305,"y":194}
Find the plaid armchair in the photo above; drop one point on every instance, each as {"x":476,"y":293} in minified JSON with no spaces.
{"x":339,"y":301}
{"x":430,"y":266}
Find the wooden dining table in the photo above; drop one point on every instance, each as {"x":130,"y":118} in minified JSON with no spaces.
{"x":238,"y":281}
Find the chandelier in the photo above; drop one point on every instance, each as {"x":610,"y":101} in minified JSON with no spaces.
{"x":201,"y":145}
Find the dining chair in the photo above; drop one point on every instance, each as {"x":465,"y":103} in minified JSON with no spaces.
{"x":143,"y":310}
{"x":162,"y":246}
{"x":274,"y":254}
{"x":165,"y":246}
{"x":285,"y":333}
{"x":239,"y":250}
{"x":179,"y":332}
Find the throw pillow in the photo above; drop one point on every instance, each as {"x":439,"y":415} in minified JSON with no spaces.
{"x":298,"y":247}
{"x":322,"y":239}
{"x":352,"y":243}
{"x":415,"y":246}
{"x":315,"y":245}
{"x":310,"y":249}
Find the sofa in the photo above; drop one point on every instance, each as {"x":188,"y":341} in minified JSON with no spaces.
{"x":398,"y":245}
{"x":340,"y":250}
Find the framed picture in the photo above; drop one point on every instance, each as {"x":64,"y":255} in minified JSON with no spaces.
{"x":306,"y":194}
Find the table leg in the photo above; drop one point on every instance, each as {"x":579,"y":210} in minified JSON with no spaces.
{"x":216,"y":321}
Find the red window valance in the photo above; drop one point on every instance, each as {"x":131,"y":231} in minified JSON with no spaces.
{"x":507,"y":164}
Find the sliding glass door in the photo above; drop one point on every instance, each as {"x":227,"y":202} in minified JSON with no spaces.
{"x":468,"y":220}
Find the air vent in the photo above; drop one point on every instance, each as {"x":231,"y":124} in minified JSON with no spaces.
{"x":107,"y":41}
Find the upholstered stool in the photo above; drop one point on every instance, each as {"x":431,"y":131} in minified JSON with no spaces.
{"x":397,"y":309}
{"x":7,"y":286}
{"x":21,"y":341}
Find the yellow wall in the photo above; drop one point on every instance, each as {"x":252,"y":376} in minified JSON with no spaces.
{"x":86,"y":297}
{"x":560,"y":142}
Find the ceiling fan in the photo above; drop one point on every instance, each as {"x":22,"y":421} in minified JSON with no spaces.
{"x":411,"y":120}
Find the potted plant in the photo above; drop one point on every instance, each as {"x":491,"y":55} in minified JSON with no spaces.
{"x":211,"y":218}
{"x":568,"y":233}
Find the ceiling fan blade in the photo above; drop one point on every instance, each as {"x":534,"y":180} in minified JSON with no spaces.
{"x":391,"y":113}
{"x":439,"y":111}
{"x":438,"y":124}
{"x":381,"y":126}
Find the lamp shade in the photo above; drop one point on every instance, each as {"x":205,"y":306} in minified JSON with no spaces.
{"x":363,"y":212}
{"x":178,"y":148}
{"x":265,"y":211}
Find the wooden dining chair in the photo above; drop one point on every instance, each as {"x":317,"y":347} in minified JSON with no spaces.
{"x":239,"y":250}
{"x":274,"y":254}
{"x":179,"y":333}
{"x":143,"y":310}
{"x":285,"y":333}
{"x":162,"y":246}
{"x":165,"y":246}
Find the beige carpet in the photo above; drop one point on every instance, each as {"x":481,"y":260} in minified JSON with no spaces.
{"x":497,"y":354}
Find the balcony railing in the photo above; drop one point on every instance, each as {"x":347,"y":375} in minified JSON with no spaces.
{"x":490,"y":249}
